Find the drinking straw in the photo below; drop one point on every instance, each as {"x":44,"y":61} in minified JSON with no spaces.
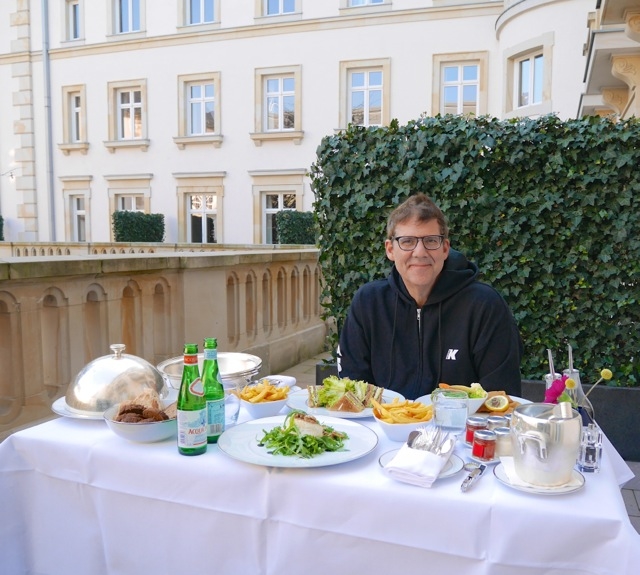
{"x":551,"y":370}
{"x":570,"y":349}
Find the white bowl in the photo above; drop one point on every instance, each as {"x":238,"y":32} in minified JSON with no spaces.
{"x":263,"y":408}
{"x":147,"y":432}
{"x":398,"y":431}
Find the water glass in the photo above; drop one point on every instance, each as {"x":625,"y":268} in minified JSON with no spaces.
{"x":231,"y":403}
{"x":590,"y":453}
{"x":450,"y":410}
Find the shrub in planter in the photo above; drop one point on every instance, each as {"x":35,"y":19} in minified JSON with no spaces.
{"x":138,"y":227}
{"x":294,"y":227}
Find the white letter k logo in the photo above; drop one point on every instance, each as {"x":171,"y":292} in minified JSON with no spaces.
{"x":451,"y":354}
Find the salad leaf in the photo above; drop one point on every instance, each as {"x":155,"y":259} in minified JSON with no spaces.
{"x":289,"y":440}
{"x":477,"y":391}
{"x":333,"y":388}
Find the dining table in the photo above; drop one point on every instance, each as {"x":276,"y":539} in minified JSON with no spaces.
{"x":77,"y":499}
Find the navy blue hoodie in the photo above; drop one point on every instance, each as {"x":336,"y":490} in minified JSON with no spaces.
{"x":465,"y":333}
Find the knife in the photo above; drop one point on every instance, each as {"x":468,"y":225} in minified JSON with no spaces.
{"x":473,"y":476}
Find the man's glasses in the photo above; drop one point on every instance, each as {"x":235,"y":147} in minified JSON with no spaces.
{"x":409,"y":243}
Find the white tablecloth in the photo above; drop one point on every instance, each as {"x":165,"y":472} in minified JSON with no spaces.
{"x":77,"y":499}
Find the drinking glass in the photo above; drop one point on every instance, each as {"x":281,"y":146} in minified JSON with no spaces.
{"x":450,"y":410}
{"x":231,"y":403}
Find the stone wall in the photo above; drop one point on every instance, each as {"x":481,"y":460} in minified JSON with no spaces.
{"x":59,"y":313}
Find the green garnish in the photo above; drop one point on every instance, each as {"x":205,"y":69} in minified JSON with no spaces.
{"x":288,"y":439}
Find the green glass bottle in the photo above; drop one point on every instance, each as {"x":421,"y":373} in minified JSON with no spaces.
{"x":213,"y":390}
{"x":192,"y":406}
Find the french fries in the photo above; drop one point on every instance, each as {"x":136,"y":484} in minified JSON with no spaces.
{"x":263,"y":391}
{"x":404,"y":411}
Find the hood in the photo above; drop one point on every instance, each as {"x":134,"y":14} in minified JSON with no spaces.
{"x":457,"y":273}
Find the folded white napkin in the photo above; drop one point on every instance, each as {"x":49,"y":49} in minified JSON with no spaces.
{"x":416,"y":466}
{"x":510,"y":470}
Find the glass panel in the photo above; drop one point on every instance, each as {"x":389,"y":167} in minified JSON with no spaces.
{"x":210,"y":117}
{"x":137,"y":122}
{"x":469,"y":73}
{"x":288,"y":120}
{"x":273,"y":7}
{"x":375,"y":78}
{"x":357,"y":108}
{"x":196,"y":228}
{"x":273,"y":113}
{"x":194,"y":12}
{"x":211,"y":228}
{"x":135,"y":9}
{"x":208,"y":91}
{"x":125,"y":124}
{"x":208,"y":10}
{"x":81,"y":233}
{"x":451,"y":96}
{"x":523,"y":98}
{"x":137,"y":96}
{"x":375,"y":107}
{"x":469,"y":99}
{"x":357,"y":79}
{"x":357,"y":3}
{"x":450,"y":73}
{"x":288,"y":84}
{"x":125,"y":97}
{"x":273,"y":85}
{"x":290,"y":201}
{"x":123,"y":24}
{"x":271,"y":232}
{"x":289,"y":6}
{"x":538,"y":75}
{"x":195,"y":91}
{"x":272,"y":201}
{"x":196,"y":121}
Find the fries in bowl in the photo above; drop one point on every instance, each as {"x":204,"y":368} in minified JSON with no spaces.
{"x":263,"y":391}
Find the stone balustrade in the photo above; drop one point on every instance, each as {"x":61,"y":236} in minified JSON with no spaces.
{"x":59,"y":310}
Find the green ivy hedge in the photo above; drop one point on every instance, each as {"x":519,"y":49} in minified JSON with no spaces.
{"x":294,"y":227}
{"x":138,"y":227}
{"x":548,"y":209}
{"x":1,"y":229}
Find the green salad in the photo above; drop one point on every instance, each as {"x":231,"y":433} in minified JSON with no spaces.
{"x":302,"y":435}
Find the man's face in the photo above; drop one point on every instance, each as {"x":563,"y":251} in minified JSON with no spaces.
{"x":420,"y":267}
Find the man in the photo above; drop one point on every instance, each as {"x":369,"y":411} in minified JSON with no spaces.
{"x":430,"y":321}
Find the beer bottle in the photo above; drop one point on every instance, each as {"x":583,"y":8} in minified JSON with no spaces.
{"x":213,"y":390}
{"x":192,"y":406}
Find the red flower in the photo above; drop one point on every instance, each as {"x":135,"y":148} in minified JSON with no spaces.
{"x":555,"y":390}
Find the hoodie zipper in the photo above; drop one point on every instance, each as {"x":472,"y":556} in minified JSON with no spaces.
{"x":419,"y":318}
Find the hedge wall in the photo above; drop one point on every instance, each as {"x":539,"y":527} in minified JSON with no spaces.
{"x":294,"y":227}
{"x":138,"y":227}
{"x":548,"y":209}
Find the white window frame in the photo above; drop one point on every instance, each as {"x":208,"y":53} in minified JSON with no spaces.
{"x":281,"y":5}
{"x":130,"y":203}
{"x":357,"y":3}
{"x":129,"y":113}
{"x":74,"y":119}
{"x":73,"y":21}
{"x":127,"y":188}
{"x":274,"y":182}
{"x":188,"y":15}
{"x":277,"y":99}
{"x":204,"y":214}
{"x":534,"y":78}
{"x":204,"y":183}
{"x":351,"y":7}
{"x":127,"y":27}
{"x":74,"y":187}
{"x":185,"y":136}
{"x":78,"y":218}
{"x":118,"y":139}
{"x":459,"y":84}
{"x":540,"y":45}
{"x":347,"y":69}
{"x":261,"y":133}
{"x":268,"y":213}
{"x":440,"y":61}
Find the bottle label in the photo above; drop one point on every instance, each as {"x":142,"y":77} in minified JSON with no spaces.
{"x":215,"y":416}
{"x":210,"y":353}
{"x":196,"y":387}
{"x":190,"y":359}
{"x":192,"y":428}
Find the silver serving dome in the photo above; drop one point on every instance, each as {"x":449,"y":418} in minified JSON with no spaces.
{"x":111,"y":379}
{"x":236,"y":369}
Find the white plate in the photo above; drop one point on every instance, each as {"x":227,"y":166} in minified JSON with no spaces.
{"x":452,"y":466}
{"x":241,"y":442}
{"x":490,"y":462}
{"x":61,"y":408}
{"x":502,"y":477}
{"x":426,"y":399}
{"x":298,"y":400}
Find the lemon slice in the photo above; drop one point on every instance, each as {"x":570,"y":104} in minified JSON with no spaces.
{"x":498,"y":403}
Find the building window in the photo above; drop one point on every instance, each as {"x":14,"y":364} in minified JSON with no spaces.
{"x":278,"y":104}
{"x":364,"y":93}
{"x":530,"y":80}
{"x":274,"y":202}
{"x":365,"y":97}
{"x":129,"y":114}
{"x":364,"y":2}
{"x":130,"y":203}
{"x":201,"y":102}
{"x":78,"y":219}
{"x":200,"y":12}
{"x":279,"y":7}
{"x":128,"y":121}
{"x":199,"y":110}
{"x":202,"y":210}
{"x":74,"y":117}
{"x":459,"y":82}
{"x":72,"y":18}
{"x":460,"y":89}
{"x":127,"y":16}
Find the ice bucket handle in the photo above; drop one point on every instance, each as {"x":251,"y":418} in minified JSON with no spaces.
{"x":537,"y":439}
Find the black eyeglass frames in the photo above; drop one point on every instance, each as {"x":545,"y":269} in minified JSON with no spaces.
{"x":409,"y":243}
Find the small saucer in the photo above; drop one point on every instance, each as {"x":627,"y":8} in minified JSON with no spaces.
{"x":484,"y":461}
{"x":576,"y":483}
